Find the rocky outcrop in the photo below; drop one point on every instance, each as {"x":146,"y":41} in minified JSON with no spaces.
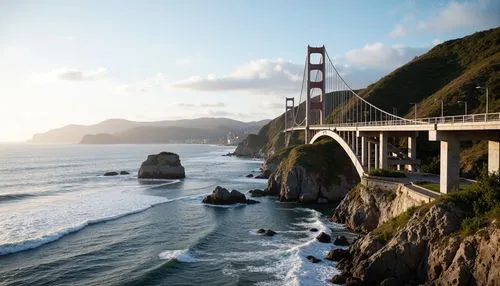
{"x":316,"y":173}
{"x":266,"y":232}
{"x":221,"y":196}
{"x":165,"y":165}
{"x":427,"y":249}
{"x":372,"y":203}
{"x":250,"y":147}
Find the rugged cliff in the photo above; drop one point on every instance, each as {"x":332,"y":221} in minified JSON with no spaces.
{"x":320,"y":172}
{"x":372,"y":203}
{"x":454,"y":240}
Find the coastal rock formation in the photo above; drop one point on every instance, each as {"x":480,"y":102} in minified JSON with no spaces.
{"x":323,"y":237}
{"x":266,"y":232}
{"x":107,"y":174}
{"x":313,"y":259}
{"x":165,"y":165}
{"x":428,"y":250}
{"x":314,"y":173}
{"x":341,"y":241}
{"x":372,"y":203}
{"x":221,"y":196}
{"x":249,"y":147}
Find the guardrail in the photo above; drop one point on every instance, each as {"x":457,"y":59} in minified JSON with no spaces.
{"x":469,"y":118}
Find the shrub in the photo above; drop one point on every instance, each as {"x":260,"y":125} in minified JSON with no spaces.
{"x":387,"y":173}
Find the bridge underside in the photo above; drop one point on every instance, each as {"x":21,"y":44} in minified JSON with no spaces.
{"x":369,"y":150}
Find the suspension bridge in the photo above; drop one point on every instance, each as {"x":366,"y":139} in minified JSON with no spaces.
{"x":327,"y":106}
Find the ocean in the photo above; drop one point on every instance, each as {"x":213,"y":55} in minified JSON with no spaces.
{"x":63,"y":223}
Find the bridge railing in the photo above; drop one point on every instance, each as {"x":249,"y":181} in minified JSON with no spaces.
{"x":469,"y":118}
{"x":482,"y":117}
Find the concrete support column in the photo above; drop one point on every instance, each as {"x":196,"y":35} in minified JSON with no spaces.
{"x":364,"y":151}
{"x":376,"y":156}
{"x":450,"y":164}
{"x":356,"y":144}
{"x":412,"y":151}
{"x":369,"y":161}
{"x":493,"y":156}
{"x":382,"y":138}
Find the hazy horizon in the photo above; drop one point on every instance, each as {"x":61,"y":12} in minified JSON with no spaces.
{"x":83,"y":62}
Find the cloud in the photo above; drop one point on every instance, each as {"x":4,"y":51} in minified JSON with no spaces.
{"x":457,"y":15}
{"x":258,"y":76}
{"x":272,"y":105}
{"x":398,"y":31}
{"x":452,"y":16}
{"x":73,"y":75}
{"x":379,"y":55}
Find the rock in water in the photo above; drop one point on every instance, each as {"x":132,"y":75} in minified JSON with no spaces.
{"x":313,"y":259}
{"x":341,"y":240}
{"x":124,"y":173}
{"x":338,"y":279}
{"x":337,"y":254}
{"x":165,"y":165}
{"x":110,"y":174}
{"x":323,"y":237}
{"x":221,"y":196}
{"x":269,"y":233}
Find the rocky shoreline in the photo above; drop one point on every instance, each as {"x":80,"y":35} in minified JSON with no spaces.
{"x":404,"y":239}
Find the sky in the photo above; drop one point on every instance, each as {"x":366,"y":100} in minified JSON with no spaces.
{"x":81,"y":62}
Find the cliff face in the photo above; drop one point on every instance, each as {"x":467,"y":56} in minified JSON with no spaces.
{"x":427,"y":250}
{"x":372,"y":203}
{"x":453,"y":240}
{"x":319,"y":172}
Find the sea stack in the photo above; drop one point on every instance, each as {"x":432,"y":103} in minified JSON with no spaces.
{"x":165,"y":165}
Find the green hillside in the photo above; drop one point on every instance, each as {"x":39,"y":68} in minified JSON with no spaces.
{"x":449,"y":72}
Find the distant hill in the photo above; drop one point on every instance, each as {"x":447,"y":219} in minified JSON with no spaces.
{"x":75,"y":133}
{"x":152,"y":134}
{"x":449,"y":72}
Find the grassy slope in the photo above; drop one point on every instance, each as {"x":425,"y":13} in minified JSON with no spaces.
{"x":325,"y":158}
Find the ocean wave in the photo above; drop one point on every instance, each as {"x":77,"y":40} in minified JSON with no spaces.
{"x":37,"y":242}
{"x":14,"y":196}
{"x":180,"y":255}
{"x":225,"y":206}
{"x":9,"y":248}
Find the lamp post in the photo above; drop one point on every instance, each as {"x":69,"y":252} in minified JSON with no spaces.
{"x":465,"y":103}
{"x":415,"y":104}
{"x":442,"y":109}
{"x":480,"y":87}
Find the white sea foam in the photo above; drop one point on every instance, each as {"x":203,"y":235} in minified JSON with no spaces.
{"x":32,"y":223}
{"x":225,"y":206}
{"x":179,"y":255}
{"x":292,"y":267}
